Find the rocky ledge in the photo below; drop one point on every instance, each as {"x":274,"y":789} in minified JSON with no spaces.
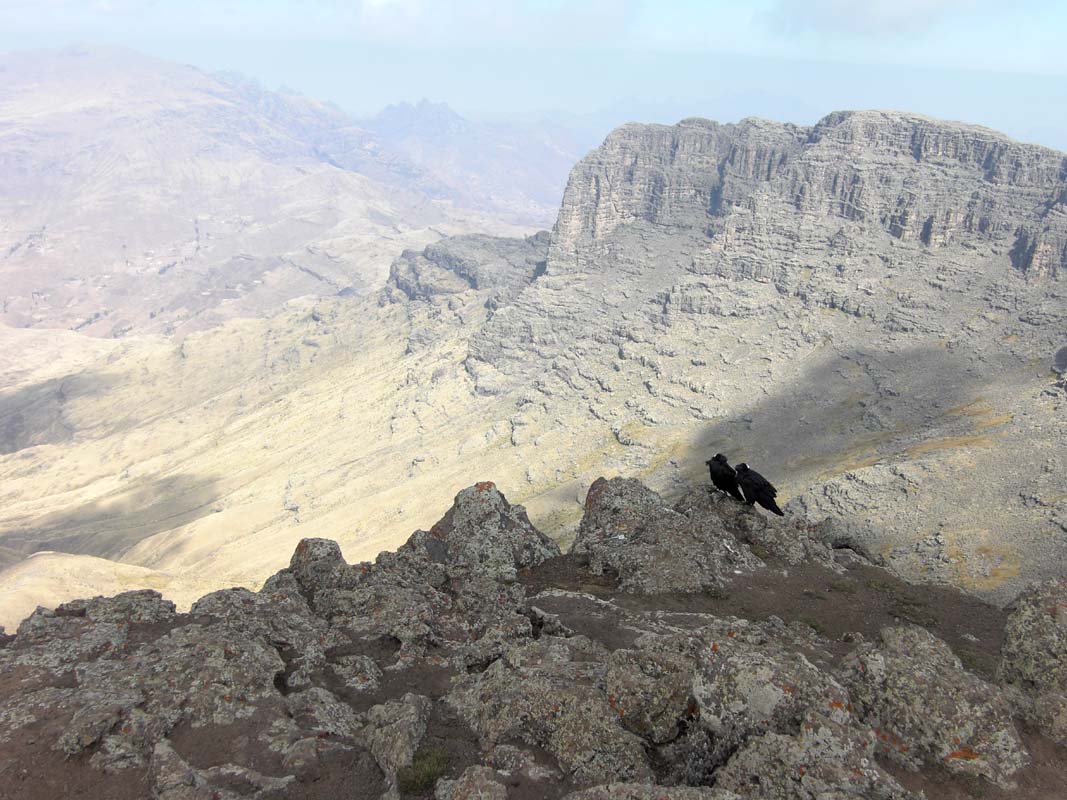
{"x":694,"y":650}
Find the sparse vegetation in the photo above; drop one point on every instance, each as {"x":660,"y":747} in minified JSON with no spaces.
{"x":814,"y":624}
{"x":759,"y":551}
{"x":428,"y":765}
{"x":912,"y":610}
{"x":842,"y":587}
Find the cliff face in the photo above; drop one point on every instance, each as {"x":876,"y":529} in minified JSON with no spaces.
{"x":695,"y":651}
{"x":905,"y":176}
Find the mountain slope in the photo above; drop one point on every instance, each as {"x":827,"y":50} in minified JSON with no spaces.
{"x":138,"y":195}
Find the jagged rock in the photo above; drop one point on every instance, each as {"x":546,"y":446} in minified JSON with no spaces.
{"x":320,"y":711}
{"x":767,"y":537}
{"x":144,"y":605}
{"x":476,"y":783}
{"x":925,"y":708}
{"x":546,"y":693}
{"x":394,"y":730}
{"x":316,"y":565}
{"x":630,"y":531}
{"x":651,"y":691}
{"x":484,"y":533}
{"x":359,"y":673}
{"x":174,"y":779}
{"x":336,"y":672}
{"x":1034,"y":654}
{"x":751,"y":681}
{"x":823,"y":759}
{"x":647,"y":791}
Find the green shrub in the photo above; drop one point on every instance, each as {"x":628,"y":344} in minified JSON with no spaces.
{"x":428,"y":765}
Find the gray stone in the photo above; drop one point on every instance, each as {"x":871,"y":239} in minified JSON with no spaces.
{"x":925,"y":708}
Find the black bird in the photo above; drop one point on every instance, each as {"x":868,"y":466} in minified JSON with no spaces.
{"x":723,"y":476}
{"x":757,"y":489}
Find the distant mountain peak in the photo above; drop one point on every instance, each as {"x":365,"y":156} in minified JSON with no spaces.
{"x":424,"y":117}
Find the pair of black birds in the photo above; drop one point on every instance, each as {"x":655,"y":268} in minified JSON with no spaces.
{"x":756,"y":488}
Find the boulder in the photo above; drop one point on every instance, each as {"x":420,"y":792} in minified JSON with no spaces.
{"x":629,"y":530}
{"x":1034,"y":655}
{"x":926,"y":709}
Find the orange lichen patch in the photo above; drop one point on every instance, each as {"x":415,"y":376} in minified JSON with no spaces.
{"x":788,"y":689}
{"x":837,"y":704}
{"x":484,"y":486}
{"x":964,"y":753}
{"x":715,"y":647}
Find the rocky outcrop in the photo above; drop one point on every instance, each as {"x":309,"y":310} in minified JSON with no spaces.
{"x":908,"y":176}
{"x":436,"y":669}
{"x":461,"y":263}
{"x":924,"y":707}
{"x":1035,"y":655}
{"x":629,"y":531}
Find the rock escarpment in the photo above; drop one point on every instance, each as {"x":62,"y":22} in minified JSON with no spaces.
{"x":472,"y":663}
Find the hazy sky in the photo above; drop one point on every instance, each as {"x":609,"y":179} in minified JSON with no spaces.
{"x":997,"y":63}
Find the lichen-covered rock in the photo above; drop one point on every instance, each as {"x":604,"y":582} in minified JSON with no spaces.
{"x":1034,"y":654}
{"x":485,"y":534}
{"x":750,"y":681}
{"x":336,"y":675}
{"x":317,"y":564}
{"x":143,"y":605}
{"x":476,"y":783}
{"x":453,"y":583}
{"x":394,"y":730}
{"x":548,"y":693}
{"x":925,"y":708}
{"x":648,"y":791}
{"x":175,"y":779}
{"x":824,"y":759}
{"x":767,"y":537}
{"x":652,"y":692}
{"x":630,"y":531}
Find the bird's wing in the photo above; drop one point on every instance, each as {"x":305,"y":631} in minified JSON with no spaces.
{"x":762,"y":485}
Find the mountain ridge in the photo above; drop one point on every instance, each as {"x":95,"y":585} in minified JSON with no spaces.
{"x":687,"y":651}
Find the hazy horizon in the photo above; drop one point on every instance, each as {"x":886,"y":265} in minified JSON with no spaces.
{"x":969,"y":60}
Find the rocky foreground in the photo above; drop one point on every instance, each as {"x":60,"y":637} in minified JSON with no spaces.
{"x":479,"y":662}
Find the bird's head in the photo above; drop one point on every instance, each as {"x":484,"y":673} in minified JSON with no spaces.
{"x":742,"y":467}
{"x":720,"y":458}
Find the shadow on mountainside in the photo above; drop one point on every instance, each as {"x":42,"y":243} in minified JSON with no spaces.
{"x":34,"y":415}
{"x":112,"y":525}
{"x":853,"y":409}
